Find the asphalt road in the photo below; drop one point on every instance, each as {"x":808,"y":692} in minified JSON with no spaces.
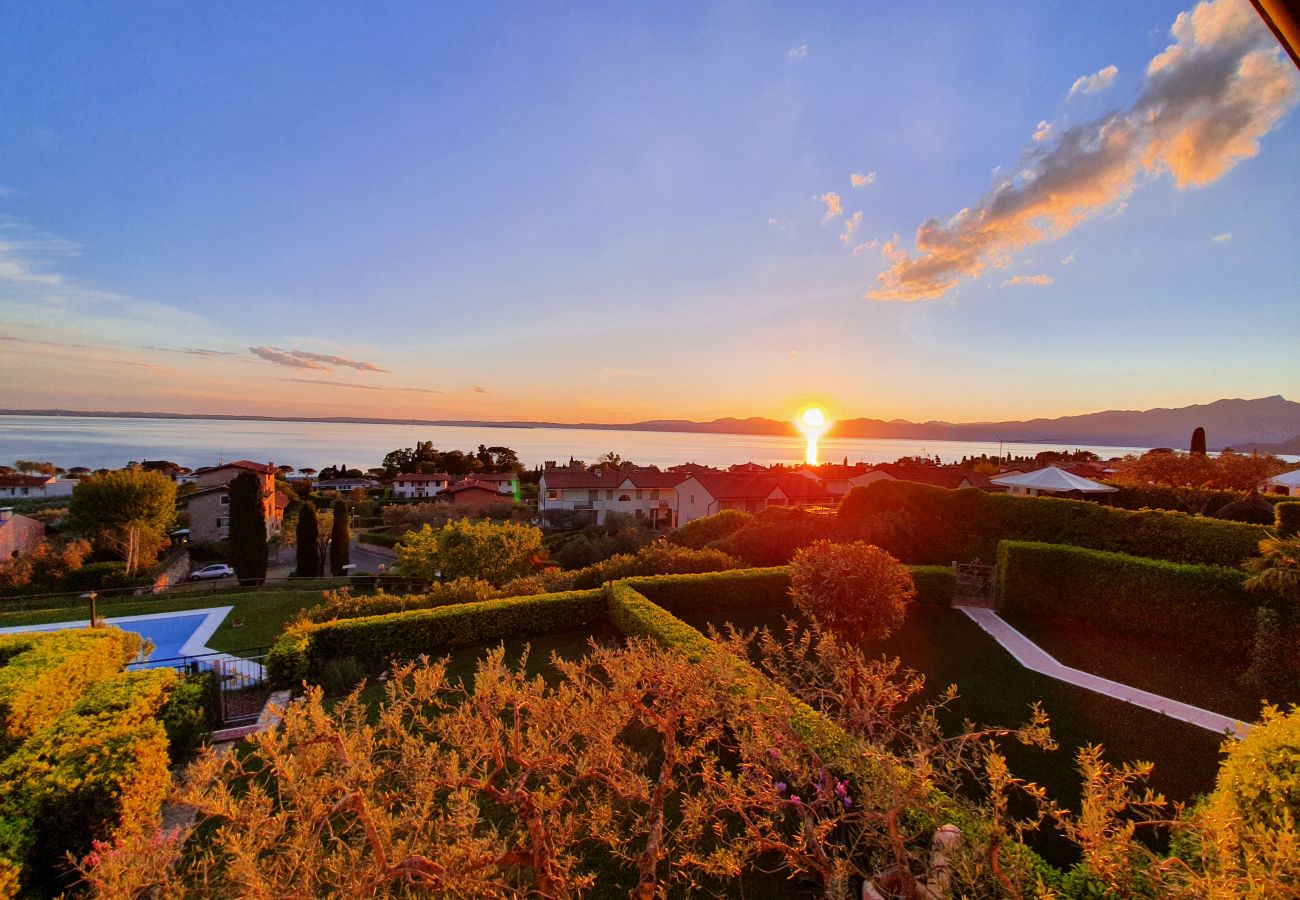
{"x":369,"y":560}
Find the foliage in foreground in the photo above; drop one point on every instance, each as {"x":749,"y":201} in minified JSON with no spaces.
{"x":495,"y":552}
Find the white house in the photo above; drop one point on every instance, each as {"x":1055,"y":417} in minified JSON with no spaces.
{"x":1288,"y":484}
{"x":703,"y":495}
{"x":646,"y":493}
{"x":41,"y":487}
{"x":412,"y":485}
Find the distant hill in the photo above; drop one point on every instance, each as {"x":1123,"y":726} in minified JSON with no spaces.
{"x":1269,"y":424}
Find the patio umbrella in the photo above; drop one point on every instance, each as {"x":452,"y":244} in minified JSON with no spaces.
{"x":1050,"y":480}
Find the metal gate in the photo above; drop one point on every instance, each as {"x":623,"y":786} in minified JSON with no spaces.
{"x":976,"y":584}
{"x":239,"y":685}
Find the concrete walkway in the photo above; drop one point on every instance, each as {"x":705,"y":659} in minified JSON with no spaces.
{"x":1034,"y":658}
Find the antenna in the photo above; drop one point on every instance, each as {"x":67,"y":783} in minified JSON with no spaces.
{"x":999,"y":437}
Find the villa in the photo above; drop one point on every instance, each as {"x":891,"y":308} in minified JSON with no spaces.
{"x":411,"y":485}
{"x":704,"y":495}
{"x":17,"y":487}
{"x":644,"y":492}
{"x":209,"y":506}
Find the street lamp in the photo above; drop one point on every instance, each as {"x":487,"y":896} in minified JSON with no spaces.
{"x":94,"y":613}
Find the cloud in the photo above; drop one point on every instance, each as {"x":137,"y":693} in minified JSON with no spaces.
{"x":304,"y":359}
{"x":26,"y":251}
{"x":1092,"y":84}
{"x":1222,"y":238}
{"x":851,"y":225}
{"x":797,"y":52}
{"x":192,"y":351}
{"x":833,"y":205}
{"x":480,"y":390}
{"x":63,"y":345}
{"x":869,"y":245}
{"x":1028,"y":279}
{"x":1069,"y":258}
{"x":859,"y":180}
{"x":1208,"y":100}
{"x":361,"y":387}
{"x":1044,"y":130}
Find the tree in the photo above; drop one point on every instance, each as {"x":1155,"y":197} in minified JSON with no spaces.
{"x":32,"y":466}
{"x":127,"y":512}
{"x":856,"y":590}
{"x":1198,"y":442}
{"x":1276,"y":570}
{"x":248,"y":547}
{"x":306,"y":536}
{"x":494,"y":552}
{"x":340,"y":539}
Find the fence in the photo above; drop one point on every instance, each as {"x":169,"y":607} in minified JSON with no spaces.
{"x":239,"y":685}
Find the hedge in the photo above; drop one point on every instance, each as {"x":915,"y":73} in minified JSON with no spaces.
{"x":920,"y":523}
{"x":302,"y":651}
{"x":43,"y":674}
{"x":1141,"y":596}
{"x":380,"y":538}
{"x":1288,"y":518}
{"x":934,"y":584}
{"x":99,"y":771}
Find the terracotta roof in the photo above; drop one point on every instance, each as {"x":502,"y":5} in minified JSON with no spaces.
{"x":835,"y":471}
{"x":746,"y":468}
{"x":496,"y":477}
{"x":27,"y":481}
{"x":422,"y":476}
{"x":729,"y":486}
{"x":691,"y":468}
{"x":248,"y":464}
{"x":566,"y":478}
{"x":652,"y":478}
{"x":800,"y":487}
{"x":939,"y":476}
{"x":468,"y":486}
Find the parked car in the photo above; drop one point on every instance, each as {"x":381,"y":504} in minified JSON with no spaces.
{"x":217,"y":570}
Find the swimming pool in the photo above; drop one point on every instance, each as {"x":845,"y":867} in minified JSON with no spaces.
{"x":173,"y":634}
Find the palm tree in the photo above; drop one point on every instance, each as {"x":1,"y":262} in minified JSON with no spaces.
{"x":1277,"y":568}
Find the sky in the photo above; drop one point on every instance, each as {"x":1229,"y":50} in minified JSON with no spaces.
{"x":619,"y":212}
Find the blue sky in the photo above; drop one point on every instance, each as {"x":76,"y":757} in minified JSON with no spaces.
{"x":564,"y":212}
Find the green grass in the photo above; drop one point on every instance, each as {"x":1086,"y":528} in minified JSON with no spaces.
{"x":264,"y":613}
{"x":1193,"y":674}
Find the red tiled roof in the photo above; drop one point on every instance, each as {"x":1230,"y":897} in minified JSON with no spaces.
{"x":691,"y":468}
{"x":248,"y":464}
{"x":747,"y":468}
{"x":835,"y":471}
{"x":563,"y":477}
{"x":470,"y":486}
{"x":729,"y":486}
{"x":939,"y":476}
{"x":800,"y":487}
{"x":420,"y":476}
{"x":27,"y":481}
{"x":652,"y":478}
{"x":493,"y":477}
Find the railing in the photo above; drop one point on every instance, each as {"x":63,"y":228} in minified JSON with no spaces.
{"x":239,"y":685}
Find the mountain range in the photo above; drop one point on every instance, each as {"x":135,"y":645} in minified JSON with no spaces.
{"x":1266,"y":424}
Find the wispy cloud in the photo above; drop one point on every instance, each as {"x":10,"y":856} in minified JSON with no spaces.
{"x":1044,"y":130}
{"x":869,"y":245}
{"x":480,"y":390}
{"x":833,"y":205}
{"x":305,"y":359}
{"x":797,"y":52}
{"x":360,"y":387}
{"x":857,"y":179}
{"x":192,"y":351}
{"x":63,"y":345}
{"x":1094,"y":83}
{"x":1222,"y":238}
{"x":1209,"y":99}
{"x":851,"y":225}
{"x":1069,"y":257}
{"x":1028,"y":279}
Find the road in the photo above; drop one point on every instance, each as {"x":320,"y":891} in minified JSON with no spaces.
{"x":369,"y":559}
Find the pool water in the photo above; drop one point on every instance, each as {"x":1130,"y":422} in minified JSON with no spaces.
{"x":172,"y":634}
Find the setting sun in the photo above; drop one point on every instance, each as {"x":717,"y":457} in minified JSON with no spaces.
{"x":813,"y":418}
{"x":813,"y":422}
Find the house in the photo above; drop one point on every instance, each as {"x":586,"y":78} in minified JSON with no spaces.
{"x":18,"y":534}
{"x":506,"y":483}
{"x":35,"y":487}
{"x":209,"y":506}
{"x":952,"y":477}
{"x":691,"y":468}
{"x":704,"y":495}
{"x":747,"y":468}
{"x":1288,"y":484}
{"x":472,"y":495}
{"x":644,"y":492}
{"x":343,"y":485}
{"x":837,"y":479}
{"x":408,"y":485}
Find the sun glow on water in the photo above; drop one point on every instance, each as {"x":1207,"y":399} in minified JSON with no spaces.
{"x":813,"y":422}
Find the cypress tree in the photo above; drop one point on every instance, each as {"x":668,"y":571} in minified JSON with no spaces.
{"x":248,"y":550}
{"x":340,"y":551}
{"x":1198,"y":442}
{"x":308,"y":535}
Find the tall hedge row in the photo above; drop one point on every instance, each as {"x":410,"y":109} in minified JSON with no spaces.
{"x":919,"y":523}
{"x":1288,"y":518}
{"x":100,"y":770}
{"x":1199,"y":604}
{"x":375,"y":640}
{"x":43,"y":674}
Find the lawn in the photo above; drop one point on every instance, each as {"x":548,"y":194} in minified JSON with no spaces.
{"x":264,"y":613}
{"x":1196,"y":675}
{"x":949,"y":648}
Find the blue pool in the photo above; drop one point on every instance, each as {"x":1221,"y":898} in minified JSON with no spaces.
{"x":172,"y":634}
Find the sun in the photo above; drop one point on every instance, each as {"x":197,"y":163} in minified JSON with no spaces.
{"x":813,"y":422}
{"x":813,"y":418}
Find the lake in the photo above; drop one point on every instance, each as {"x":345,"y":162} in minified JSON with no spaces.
{"x":110,"y":443}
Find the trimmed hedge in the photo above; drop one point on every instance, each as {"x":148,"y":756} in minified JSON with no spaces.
{"x":380,"y":538}
{"x":302,"y":651}
{"x":42,"y":674}
{"x":920,"y":523}
{"x":1142,"y":596}
{"x":934,"y":584}
{"x":1288,"y":518}
{"x":99,"y":771}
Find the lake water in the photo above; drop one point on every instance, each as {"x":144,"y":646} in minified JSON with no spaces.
{"x":110,"y":443}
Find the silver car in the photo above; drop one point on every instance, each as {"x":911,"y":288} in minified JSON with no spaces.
{"x":217,"y":570}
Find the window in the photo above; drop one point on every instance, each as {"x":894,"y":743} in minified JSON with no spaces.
{"x":609,"y":495}
{"x":552,"y":495}
{"x":593,"y":495}
{"x":654,"y":494}
{"x":639,"y":494}
{"x":225,"y":499}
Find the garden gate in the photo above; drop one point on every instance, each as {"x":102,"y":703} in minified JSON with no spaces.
{"x":239,"y":685}
{"x":976,"y":584}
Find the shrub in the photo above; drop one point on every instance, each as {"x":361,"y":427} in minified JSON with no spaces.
{"x":380,"y":538}
{"x":923,"y":524}
{"x":100,"y":771}
{"x":1288,"y":518}
{"x":98,"y":576}
{"x":339,"y":676}
{"x":774,"y":535}
{"x":934,"y":584}
{"x":699,"y":533}
{"x":187,"y":717}
{"x":856,"y":590}
{"x":1140,"y":596}
{"x":44,"y":674}
{"x":718,"y":592}
{"x":658,"y":558}
{"x":547,"y":581}
{"x":341,"y":604}
{"x":374,"y":640}
{"x":495,"y":552}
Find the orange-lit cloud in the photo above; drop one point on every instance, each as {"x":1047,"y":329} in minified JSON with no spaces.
{"x":833,"y":205}
{"x":857,"y":179}
{"x":362,"y":387}
{"x":851,"y":225}
{"x":303,"y":359}
{"x":1209,"y":99}
{"x":1028,"y":279}
{"x":1092,"y":84}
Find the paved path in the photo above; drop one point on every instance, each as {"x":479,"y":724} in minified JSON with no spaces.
{"x":1034,"y":658}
